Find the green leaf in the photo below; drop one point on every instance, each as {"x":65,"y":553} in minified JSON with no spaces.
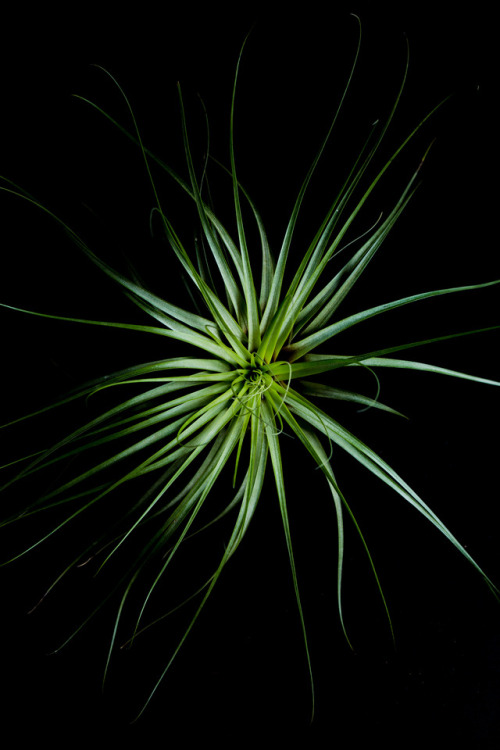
{"x":300,"y":348}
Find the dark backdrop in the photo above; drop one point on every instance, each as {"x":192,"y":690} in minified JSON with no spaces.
{"x":243,"y":671}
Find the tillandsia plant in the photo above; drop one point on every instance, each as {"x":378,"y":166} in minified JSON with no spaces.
{"x":259,"y":357}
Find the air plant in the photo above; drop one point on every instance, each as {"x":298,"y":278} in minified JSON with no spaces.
{"x":260,"y":336}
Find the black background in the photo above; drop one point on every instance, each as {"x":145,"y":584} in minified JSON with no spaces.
{"x":243,"y":672}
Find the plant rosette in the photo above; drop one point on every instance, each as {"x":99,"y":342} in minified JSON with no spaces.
{"x":257,"y":343}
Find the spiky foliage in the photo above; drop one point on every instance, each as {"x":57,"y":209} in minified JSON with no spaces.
{"x":250,"y":377}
